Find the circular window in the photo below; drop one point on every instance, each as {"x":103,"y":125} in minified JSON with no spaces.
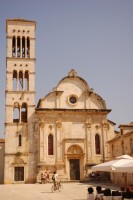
{"x":72,"y":99}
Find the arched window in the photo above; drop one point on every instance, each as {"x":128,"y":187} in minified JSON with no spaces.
{"x":50,"y":144}
{"x":16,"y":111}
{"x":23,"y":47}
{"x":19,"y":140}
{"x":18,"y":46}
{"x":14,"y":80}
{"x":13,"y":46}
{"x":28,"y":47}
{"x":20,"y":80}
{"x":97,"y":144}
{"x":24,"y":113}
{"x":26,"y":80}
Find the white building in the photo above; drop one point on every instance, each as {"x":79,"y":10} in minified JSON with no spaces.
{"x":67,"y":131}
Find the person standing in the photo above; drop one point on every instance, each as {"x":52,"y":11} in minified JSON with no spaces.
{"x":55,"y":178}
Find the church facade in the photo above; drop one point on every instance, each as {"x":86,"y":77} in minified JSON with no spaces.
{"x":68,"y":131}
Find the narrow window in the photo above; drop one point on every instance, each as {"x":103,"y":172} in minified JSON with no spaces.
{"x":14,"y":80}
{"x":131,"y":146}
{"x":24,"y":113}
{"x":26,"y":80}
{"x":122,"y":148}
{"x":97,"y":144}
{"x":19,"y":140}
{"x":18,"y":46}
{"x":112,"y":150}
{"x":13,"y":46}
{"x":19,"y":174}
{"x":23,"y":47}
{"x":28,"y":47}
{"x":50,"y":144}
{"x":16,"y":113}
{"x":20,"y":80}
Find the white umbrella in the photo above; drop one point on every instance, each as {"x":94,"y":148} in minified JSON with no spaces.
{"x":105,"y":167}
{"x":127,"y":167}
{"x":117,"y":165}
{"x":122,"y":164}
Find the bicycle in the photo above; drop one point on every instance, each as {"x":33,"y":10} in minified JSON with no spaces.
{"x":56,"y":186}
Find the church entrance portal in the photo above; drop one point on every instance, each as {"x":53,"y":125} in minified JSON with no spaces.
{"x":75,"y":157}
{"x":74,"y":169}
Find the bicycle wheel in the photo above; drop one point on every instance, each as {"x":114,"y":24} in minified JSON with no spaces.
{"x":60,"y":187}
{"x":53,"y":188}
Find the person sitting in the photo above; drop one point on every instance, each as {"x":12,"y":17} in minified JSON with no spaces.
{"x":90,"y":194}
{"x":99,"y":193}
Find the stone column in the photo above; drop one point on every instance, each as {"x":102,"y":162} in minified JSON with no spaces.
{"x":20,"y":47}
{"x":20,"y":114}
{"x":42,"y":125}
{"x":23,"y":80}
{"x":17,"y":80}
{"x":105,"y":126}
{"x":16,"y":47}
{"x":25,"y":47}
{"x":58,"y":141}
{"x":88,"y":140}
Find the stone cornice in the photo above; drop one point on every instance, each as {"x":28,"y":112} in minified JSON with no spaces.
{"x":70,"y":139}
{"x":20,"y":21}
{"x":88,"y":111}
{"x":22,"y":59}
{"x":20,"y":92}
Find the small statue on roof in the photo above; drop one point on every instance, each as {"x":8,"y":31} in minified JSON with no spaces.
{"x":72,"y":73}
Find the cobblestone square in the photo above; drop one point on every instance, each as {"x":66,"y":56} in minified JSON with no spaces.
{"x":70,"y":191}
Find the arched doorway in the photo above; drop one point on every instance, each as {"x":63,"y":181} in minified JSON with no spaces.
{"x":75,"y":156}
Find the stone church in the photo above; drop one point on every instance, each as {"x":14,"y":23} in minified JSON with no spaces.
{"x":66,"y":132}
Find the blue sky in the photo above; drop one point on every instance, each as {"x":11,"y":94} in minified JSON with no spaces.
{"x":95,"y":37}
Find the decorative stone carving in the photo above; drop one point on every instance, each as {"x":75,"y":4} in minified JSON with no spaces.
{"x":59,"y":123}
{"x":18,"y":160}
{"x":97,"y":127}
{"x":91,"y":91}
{"x":72,"y":73}
{"x":105,"y":124}
{"x":88,"y":122}
{"x":50,"y":127}
{"x":42,"y":124}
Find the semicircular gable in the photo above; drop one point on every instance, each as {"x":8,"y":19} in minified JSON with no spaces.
{"x":50,"y":97}
{"x":72,"y":92}
{"x":96,"y":102}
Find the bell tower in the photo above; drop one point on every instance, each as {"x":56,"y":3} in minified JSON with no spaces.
{"x":20,"y":150}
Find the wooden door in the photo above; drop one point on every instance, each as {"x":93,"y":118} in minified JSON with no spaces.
{"x":74,"y":169}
